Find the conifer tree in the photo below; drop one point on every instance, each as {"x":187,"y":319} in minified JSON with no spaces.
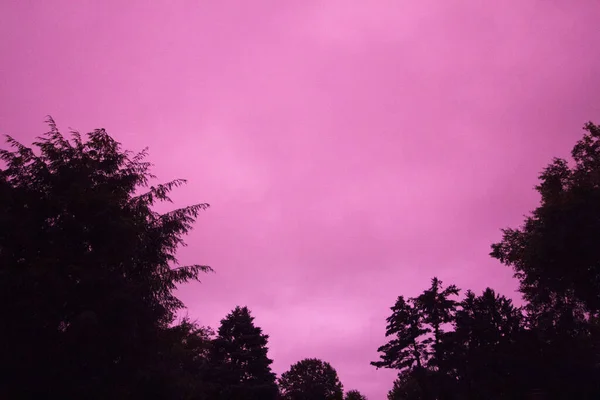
{"x":239,"y":356}
{"x":87,"y":269}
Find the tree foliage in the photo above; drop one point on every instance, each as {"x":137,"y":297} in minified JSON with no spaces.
{"x":240,"y":361}
{"x":311,"y":379}
{"x":555,"y":254}
{"x":410,"y":327}
{"x":354,"y":395}
{"x":475,"y":357}
{"x":437,"y":307}
{"x":494,"y":350}
{"x":184,"y":362}
{"x":406,"y":387}
{"x":88,"y":273}
{"x":556,"y":259}
{"x":87,"y":267}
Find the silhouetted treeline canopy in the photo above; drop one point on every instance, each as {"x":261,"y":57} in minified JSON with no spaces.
{"x":88,"y":271}
{"x":480,"y":346}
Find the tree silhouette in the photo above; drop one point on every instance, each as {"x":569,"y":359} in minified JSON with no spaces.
{"x":555,"y":254}
{"x":484,"y":347}
{"x":482,"y":353}
{"x":239,"y":358}
{"x":87,"y":268}
{"x":185,"y":362}
{"x":406,"y":387}
{"x":478,"y":348}
{"x":407,"y":348}
{"x":412,"y":348}
{"x":88,"y":273}
{"x":311,"y":379}
{"x":437,"y":308}
{"x":354,"y":395}
{"x":556,"y":257}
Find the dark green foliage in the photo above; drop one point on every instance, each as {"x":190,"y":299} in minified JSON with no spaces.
{"x":86,"y":269}
{"x":240,"y":365}
{"x":354,"y":395}
{"x":311,"y":379}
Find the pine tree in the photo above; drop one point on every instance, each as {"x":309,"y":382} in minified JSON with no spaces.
{"x":411,"y":348}
{"x":437,"y":308}
{"x":239,"y":357}
{"x":407,"y":347}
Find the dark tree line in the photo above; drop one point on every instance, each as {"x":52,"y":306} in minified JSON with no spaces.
{"x":480,"y":346}
{"x":475,"y":348}
{"x":87,"y":268}
{"x":88,"y":271}
{"x":87,"y":279}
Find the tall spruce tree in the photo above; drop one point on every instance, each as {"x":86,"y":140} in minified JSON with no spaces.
{"x":242,"y":368}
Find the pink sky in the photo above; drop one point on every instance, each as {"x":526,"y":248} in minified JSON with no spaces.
{"x":350,"y":149}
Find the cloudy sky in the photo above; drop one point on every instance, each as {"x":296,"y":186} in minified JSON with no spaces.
{"x":350,"y":149}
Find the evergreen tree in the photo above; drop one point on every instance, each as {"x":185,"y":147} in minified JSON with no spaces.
{"x":185,"y":361}
{"x":412,"y":347}
{"x":239,"y":357}
{"x":408,"y":347}
{"x":87,"y":269}
{"x":437,"y":308}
